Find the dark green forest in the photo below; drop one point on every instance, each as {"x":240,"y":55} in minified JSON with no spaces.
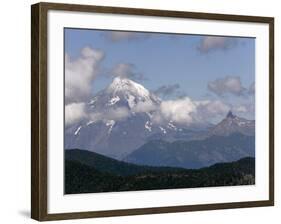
{"x":89,"y":172}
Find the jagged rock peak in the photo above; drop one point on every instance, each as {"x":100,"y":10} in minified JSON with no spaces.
{"x":230,"y":115}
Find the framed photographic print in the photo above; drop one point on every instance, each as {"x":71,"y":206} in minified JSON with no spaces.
{"x":139,"y":111}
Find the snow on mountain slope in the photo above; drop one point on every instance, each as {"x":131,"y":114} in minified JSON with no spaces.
{"x":124,"y":92}
{"x":127,"y":87}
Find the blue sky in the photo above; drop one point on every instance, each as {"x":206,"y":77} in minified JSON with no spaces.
{"x":200,"y":67}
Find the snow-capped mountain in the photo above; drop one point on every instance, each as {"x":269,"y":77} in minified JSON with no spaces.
{"x":131,"y":91}
{"x":233,"y":124}
{"x":120,"y":121}
{"x":123,"y":92}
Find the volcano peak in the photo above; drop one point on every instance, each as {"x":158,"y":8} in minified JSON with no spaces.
{"x":127,"y":87}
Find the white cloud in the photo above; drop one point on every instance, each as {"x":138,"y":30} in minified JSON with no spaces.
{"x":227,"y":85}
{"x":116,"y":114}
{"x":183,"y":111}
{"x":79,"y":74}
{"x":188,"y":112}
{"x":179,"y":111}
{"x":74,"y":113}
{"x":126,"y":70}
{"x":116,"y":36}
{"x":211,"y":43}
{"x":146,"y":106}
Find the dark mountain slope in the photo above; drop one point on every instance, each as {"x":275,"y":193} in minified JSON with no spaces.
{"x":109,"y":165}
{"x":196,"y":153}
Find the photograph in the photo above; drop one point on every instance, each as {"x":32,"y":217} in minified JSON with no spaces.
{"x":145,"y":111}
{"x":155,"y":111}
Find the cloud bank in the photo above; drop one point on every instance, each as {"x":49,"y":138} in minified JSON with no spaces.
{"x":74,"y":113}
{"x":80,"y":72}
{"x":143,"y":107}
{"x":184,"y":111}
{"x":116,"y":114}
{"x":79,"y":75}
{"x":187,"y":112}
